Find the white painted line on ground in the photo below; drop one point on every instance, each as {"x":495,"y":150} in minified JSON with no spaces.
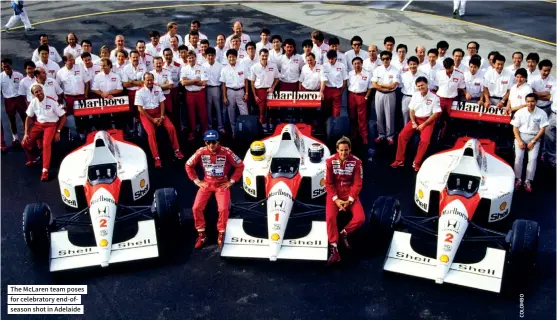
{"x":406,"y":5}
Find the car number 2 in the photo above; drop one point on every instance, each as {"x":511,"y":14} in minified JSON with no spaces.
{"x":102,"y":223}
{"x":449,"y":238}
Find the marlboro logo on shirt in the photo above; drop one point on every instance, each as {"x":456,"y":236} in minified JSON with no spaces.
{"x":101,"y":106}
{"x":293,"y":99}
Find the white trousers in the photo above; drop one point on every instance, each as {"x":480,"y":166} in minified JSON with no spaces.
{"x":459,"y":5}
{"x":15,"y":19}
{"x":532,"y":157}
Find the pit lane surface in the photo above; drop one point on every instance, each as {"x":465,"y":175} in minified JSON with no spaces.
{"x":198,"y":284}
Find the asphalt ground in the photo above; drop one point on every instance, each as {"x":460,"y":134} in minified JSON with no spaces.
{"x":199,"y":284}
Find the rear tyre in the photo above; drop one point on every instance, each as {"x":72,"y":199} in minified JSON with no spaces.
{"x":384,"y":218}
{"x":337,"y":127}
{"x":521,"y":256}
{"x":37,"y":225}
{"x":167,"y":218}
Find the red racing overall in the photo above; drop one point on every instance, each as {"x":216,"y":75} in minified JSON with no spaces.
{"x":215,"y":168}
{"x":343,"y":180}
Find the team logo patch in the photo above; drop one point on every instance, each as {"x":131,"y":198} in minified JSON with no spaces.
{"x":391,"y":76}
{"x":476,"y":83}
{"x":455,"y":79}
{"x":429,"y":101}
{"x":271,"y":69}
{"x":504,"y":82}
{"x":244,"y":41}
{"x":548,"y":86}
{"x":318,"y":70}
{"x":338,"y":69}
{"x":47,"y":107}
{"x":240,"y":73}
{"x":77,"y":73}
{"x":221,"y":158}
{"x":364,"y":78}
{"x":113,"y":79}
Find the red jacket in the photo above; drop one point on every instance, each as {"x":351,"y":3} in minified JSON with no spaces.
{"x":343,"y":179}
{"x":215,"y":165}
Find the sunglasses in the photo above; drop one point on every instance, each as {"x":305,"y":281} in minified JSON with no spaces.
{"x":385,"y":59}
{"x":357,"y":44}
{"x":211,"y":142}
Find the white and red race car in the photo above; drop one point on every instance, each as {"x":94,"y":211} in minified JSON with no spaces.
{"x":284,"y":168}
{"x":462,"y":190}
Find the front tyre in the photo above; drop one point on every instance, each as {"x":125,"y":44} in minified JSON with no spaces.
{"x":384,"y":218}
{"x":37,"y":225}
{"x":167,"y":217}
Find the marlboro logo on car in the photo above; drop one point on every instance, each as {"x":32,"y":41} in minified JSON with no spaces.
{"x":101,"y":106}
{"x":294,"y":99}
{"x":474,"y":111}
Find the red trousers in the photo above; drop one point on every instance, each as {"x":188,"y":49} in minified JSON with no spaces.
{"x":331,"y":212}
{"x":223,"y":203}
{"x":197,"y":104}
{"x":14,"y":106}
{"x":332,"y":100}
{"x":46,"y":131}
{"x":151,"y":134}
{"x":405,"y":136}
{"x":357,"y":112}
{"x":70,"y":100}
{"x":262,"y":95}
{"x":285,"y":86}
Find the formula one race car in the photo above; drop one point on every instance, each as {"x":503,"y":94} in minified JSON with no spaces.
{"x":280,"y":170}
{"x":461,"y":189}
{"x":99,"y":176}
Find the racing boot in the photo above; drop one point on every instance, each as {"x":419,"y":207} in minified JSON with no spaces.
{"x":528,"y":186}
{"x":201,"y":238}
{"x":220,"y":239}
{"x":178,"y":154}
{"x":335,"y":256}
{"x":416,"y":166}
{"x":31,"y":163}
{"x":344,"y":238}
{"x":44,"y":175}
{"x":158,"y":163}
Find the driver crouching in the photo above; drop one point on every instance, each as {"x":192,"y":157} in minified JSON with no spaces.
{"x":216,"y":162}
{"x":343,"y":180}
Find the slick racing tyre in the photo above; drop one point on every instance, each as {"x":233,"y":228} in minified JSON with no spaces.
{"x":167,"y":217}
{"x":37,"y":225}
{"x":337,"y":127}
{"x":523,"y":246}
{"x":384,"y":218}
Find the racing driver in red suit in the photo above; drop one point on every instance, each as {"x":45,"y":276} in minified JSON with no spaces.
{"x":216,"y":162}
{"x":343,"y":180}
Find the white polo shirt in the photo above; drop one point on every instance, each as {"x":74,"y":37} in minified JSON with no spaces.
{"x":73,"y":80}
{"x":402,"y":66}
{"x":384,"y":75}
{"x":149,"y":99}
{"x":92,"y":72}
{"x":119,"y":68}
{"x":107,"y":82}
{"x":131,"y":73}
{"x":359,"y":83}
{"x":448,"y":86}
{"x":341,"y":57}
{"x":163,"y":77}
{"x":370,"y":66}
{"x":113,"y":54}
{"x":512,"y":69}
{"x":147,"y":60}
{"x":50,"y":87}
{"x":10,"y":85}
{"x":174,"y":69}
{"x":474,"y":83}
{"x":275,"y":57}
{"x":462,"y":67}
{"x":517,"y":96}
{"x":155,"y":51}
{"x":290,"y":68}
{"x":221,"y":55}
{"x":244,"y":39}
{"x":46,"y":111}
{"x":351,"y":54}
{"x":260,"y":45}
{"x":195,"y":72}
{"x":50,"y":67}
{"x":408,"y":81}
{"x":320,"y":52}
{"x":187,"y":38}
{"x":424,"y":106}
{"x":334,"y":75}
{"x":530,"y":122}
{"x":52,"y":55}
{"x":25,"y":86}
{"x":247,"y":63}
{"x":75,"y":51}
{"x":263,"y":76}
{"x":543,"y":85}
{"x":233,"y":76}
{"x":431,"y":72}
{"x":532,"y":75}
{"x":164,"y":40}
{"x":311,"y":78}
{"x":213,"y":73}
{"x":96,"y":59}
{"x":498,"y":83}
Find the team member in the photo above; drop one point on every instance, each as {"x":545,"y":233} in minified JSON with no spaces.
{"x":104,"y":52}
{"x":458,"y":55}
{"x":50,"y":86}
{"x":246,"y":63}
{"x":221,"y":51}
{"x":155,"y":47}
{"x":310,"y":77}
{"x":473,"y":48}
{"x":238,"y":29}
{"x":25,"y":83}
{"x":442,"y":48}
{"x":518,"y":92}
{"x":264,"y":77}
{"x":473,"y":78}
{"x":193,"y":39}
{"x":236,"y":46}
{"x":171,"y":31}
{"x":132,"y":80}
{"x":150,"y":102}
{"x":543,"y":84}
{"x":50,"y":66}
{"x":194,"y":78}
{"x":385,"y":80}
{"x":86,"y":46}
{"x":19,"y":14}
{"x":175,"y":47}
{"x":275,"y":55}
{"x":334,"y":44}
{"x":389,"y":44}
{"x":344,"y":175}
{"x":265,"y":42}
{"x":528,"y":128}
{"x":333,"y":83}
{"x":75,"y":82}
{"x":121,"y":62}
{"x":449,"y":83}
{"x":174,"y":68}
{"x":550,"y":132}
{"x":13,"y":102}
{"x":517,"y":62}
{"x":431,"y":68}
{"x":372,"y":61}
{"x":291,"y":65}
{"x":408,"y":84}
{"x":163,"y":78}
{"x":50,"y":117}
{"x":497,"y":82}
{"x":194,"y":26}
{"x":90,"y":68}
{"x":234,"y":81}
{"x":52,"y":52}
{"x":106,"y":84}
{"x":420,"y":54}
{"x":120,"y":43}
{"x":214,"y":93}
{"x":424,"y":109}
{"x":73,"y":47}
{"x":532,"y":60}
{"x":356,"y":44}
{"x":320,"y":48}
{"x":359,"y":88}
{"x":202,"y":56}
{"x":144,"y":57}
{"x":401,"y":63}
{"x":216,"y":162}
{"x":307,"y":46}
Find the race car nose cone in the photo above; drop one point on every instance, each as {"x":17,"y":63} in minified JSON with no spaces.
{"x":442,"y":271}
{"x":439,"y":280}
{"x":273,"y":258}
{"x":104,"y":264}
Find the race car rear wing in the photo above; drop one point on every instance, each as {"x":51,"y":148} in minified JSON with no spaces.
{"x":294,"y":99}
{"x":473,"y":111}
{"x":101,"y":106}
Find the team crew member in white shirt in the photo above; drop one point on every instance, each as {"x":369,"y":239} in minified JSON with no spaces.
{"x":307,"y":46}
{"x":163,"y":79}
{"x":150,"y":103}
{"x":442,"y":48}
{"x":50,"y":86}
{"x":497,"y":83}
{"x":550,"y":132}
{"x":373,"y":60}
{"x":532,"y":60}
{"x":120,"y":43}
{"x":104,"y":53}
{"x":334,"y":44}
{"x":474,"y":80}
{"x":86,"y":46}
{"x":320,"y":48}
{"x":155,"y":47}
{"x":194,"y":26}
{"x":220,"y":50}
{"x":234,"y":80}
{"x":385,"y":80}
{"x":50,"y":117}
{"x":247,"y":62}
{"x":52,"y":52}
{"x":235,"y":44}
{"x":518,"y":92}
{"x":359,"y":88}
{"x":408,"y":85}
{"x":89,"y":67}
{"x":449,"y":83}
{"x":517,"y":62}
{"x":214,"y":93}
{"x":420,"y":54}
{"x":27,"y":81}
{"x":107,"y":84}
{"x":333,"y":83}
{"x":202,"y":56}
{"x":458,"y":55}
{"x":264,"y":77}
{"x":424,"y":110}
{"x":265,"y":41}
{"x":194,"y":78}
{"x":528,"y":127}
{"x":73,"y":47}
{"x":400,"y":62}
{"x":172,"y":31}
{"x":389,"y":44}
{"x":310,"y":77}
{"x":275,"y":55}
{"x":121,"y":62}
{"x":193,"y":38}
{"x":13,"y":102}
{"x":174,"y":67}
{"x":291,"y":65}
{"x":144,"y":57}
{"x":50,"y":66}
{"x":431,"y":67}
{"x":543,"y":84}
{"x":183,"y":59}
{"x":491,"y":59}
{"x":132,"y":80}
{"x":238,"y":28}
{"x":75,"y":82}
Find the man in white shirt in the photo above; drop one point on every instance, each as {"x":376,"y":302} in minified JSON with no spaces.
{"x":518,"y":92}
{"x":431,"y":67}
{"x":474,"y":80}
{"x":121,"y":62}
{"x":517,"y":62}
{"x":86,"y":46}
{"x":234,"y":80}
{"x":193,"y":39}
{"x":497,"y":83}
{"x":400,"y":62}
{"x":89,"y":67}
{"x":265,"y":41}
{"x":150,"y":103}
{"x":194,"y":78}
{"x":385,"y":80}
{"x":220,"y":50}
{"x":19,"y":14}
{"x":144,"y":57}
{"x":163,"y":79}
{"x":247,"y":62}
{"x":307,"y":46}
{"x":532,"y":60}
{"x":310,"y":77}
{"x":420,"y":54}
{"x":174,"y":67}
{"x":13,"y":102}
{"x":120,"y":42}
{"x":334,"y":44}
{"x":320,"y":48}
{"x":73,"y":47}
{"x":473,"y":48}
{"x":214,"y":93}
{"x":291,"y":65}
{"x":50,"y":86}
{"x":132,"y":80}
{"x":52,"y":52}
{"x":275,"y":54}
{"x":389,"y":44}
{"x":458,"y":55}
{"x":27,"y":81}
{"x":195,"y":25}
{"x":333,"y":83}
{"x":408,"y":86}
{"x":50,"y":117}
{"x":235,"y":44}
{"x":442,"y":48}
{"x":172,"y":31}
{"x":528,"y":127}
{"x":238,"y":28}
{"x":264,"y":77}
{"x":50,"y":67}
{"x":373,"y":60}
{"x":424,"y":110}
{"x":75,"y":82}
{"x":202,"y":55}
{"x":155,"y":47}
{"x":107,"y":84}
{"x":449,"y":83}
{"x":359,"y":88}
{"x":550,"y":131}
{"x":543,"y":84}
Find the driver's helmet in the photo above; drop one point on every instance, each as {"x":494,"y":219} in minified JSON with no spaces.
{"x":316,"y":152}
{"x":257,"y":150}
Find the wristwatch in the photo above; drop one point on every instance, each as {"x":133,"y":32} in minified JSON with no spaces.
{"x":58,"y":131}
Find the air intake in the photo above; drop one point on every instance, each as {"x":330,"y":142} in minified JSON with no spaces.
{"x":286,"y":136}
{"x":469,"y":152}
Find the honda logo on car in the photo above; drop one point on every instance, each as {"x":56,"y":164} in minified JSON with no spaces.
{"x":454,"y":211}
{"x":279,"y":204}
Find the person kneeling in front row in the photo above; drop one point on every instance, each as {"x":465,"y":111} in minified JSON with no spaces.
{"x":424,"y":110}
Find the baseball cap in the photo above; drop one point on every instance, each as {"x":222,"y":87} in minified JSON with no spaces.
{"x":211,"y":135}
